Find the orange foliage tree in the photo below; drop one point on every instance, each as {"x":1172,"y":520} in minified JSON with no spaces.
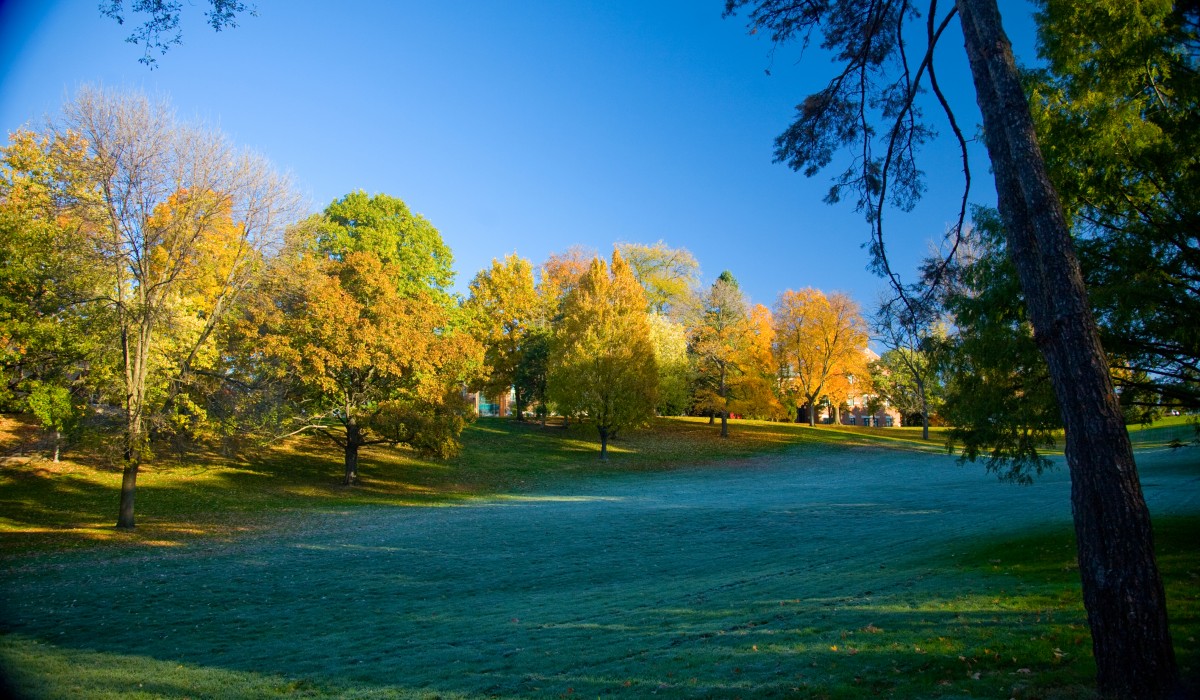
{"x":358,"y":362}
{"x":816,"y":337}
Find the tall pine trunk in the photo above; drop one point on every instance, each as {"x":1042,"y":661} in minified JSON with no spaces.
{"x":1122,"y":590}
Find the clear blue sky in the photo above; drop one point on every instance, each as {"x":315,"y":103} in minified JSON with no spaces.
{"x":526,"y":127}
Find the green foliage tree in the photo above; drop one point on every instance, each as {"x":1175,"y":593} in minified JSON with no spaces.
{"x":531,"y":375}
{"x":907,"y":373}
{"x":57,"y":411}
{"x":603,"y":364}
{"x":406,"y":242}
{"x":45,"y":274}
{"x":674,"y":364}
{"x":869,"y":39}
{"x":1121,"y":124}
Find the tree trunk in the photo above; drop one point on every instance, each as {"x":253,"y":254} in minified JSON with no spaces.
{"x":812,"y":412}
{"x":1122,"y":590}
{"x":57,"y":444}
{"x":128,"y":482}
{"x":353,"y":442}
{"x":924,"y":409}
{"x":603,"y":443}
{"x":724,"y":405}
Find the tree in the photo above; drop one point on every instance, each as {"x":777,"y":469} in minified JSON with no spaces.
{"x":718,"y":341}
{"x":754,"y":389}
{"x":505,"y":304}
{"x":674,"y":366}
{"x":531,"y":376}
{"x":907,"y":371}
{"x":56,"y":409}
{"x":381,"y":224}
{"x":852,"y":377}
{"x":1119,"y":122}
{"x":45,"y":274}
{"x":816,"y":337}
{"x":357,"y":361}
{"x":157,"y":192}
{"x":1121,"y":586}
{"x":164,"y":20}
{"x":603,"y":366}
{"x":560,"y":274}
{"x":668,"y":275}
{"x":998,"y":398}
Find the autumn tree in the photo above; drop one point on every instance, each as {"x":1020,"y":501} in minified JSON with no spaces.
{"x":158,"y":201}
{"x":816,"y":338}
{"x":603,"y":365}
{"x":505,"y":305}
{"x":355,"y":360}
{"x":851,"y":378}
{"x":45,"y":274}
{"x":560,"y":274}
{"x":668,"y":275}
{"x":869,"y":39}
{"x":755,"y":387}
{"x":717,"y":339}
{"x":669,"y":338}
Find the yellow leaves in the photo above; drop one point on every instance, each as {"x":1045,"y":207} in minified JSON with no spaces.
{"x":604,"y":364}
{"x":819,"y":337}
{"x":352,"y":334}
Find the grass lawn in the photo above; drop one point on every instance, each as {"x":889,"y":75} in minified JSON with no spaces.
{"x":71,"y":504}
{"x":785,"y":562}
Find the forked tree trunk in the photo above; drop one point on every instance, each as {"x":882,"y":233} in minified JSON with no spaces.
{"x":1122,"y":590}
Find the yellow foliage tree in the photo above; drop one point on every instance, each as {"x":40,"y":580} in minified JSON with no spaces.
{"x":603,"y":364}
{"x":816,"y":337}
{"x":718,"y":340}
{"x":504,"y":303}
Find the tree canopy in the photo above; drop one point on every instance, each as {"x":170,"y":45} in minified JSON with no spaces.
{"x":603,"y":366}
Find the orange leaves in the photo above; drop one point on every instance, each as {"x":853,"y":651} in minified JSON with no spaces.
{"x":818,"y":338}
{"x":352,"y":345}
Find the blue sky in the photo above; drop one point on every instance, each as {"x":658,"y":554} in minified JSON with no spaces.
{"x":525,"y":127}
